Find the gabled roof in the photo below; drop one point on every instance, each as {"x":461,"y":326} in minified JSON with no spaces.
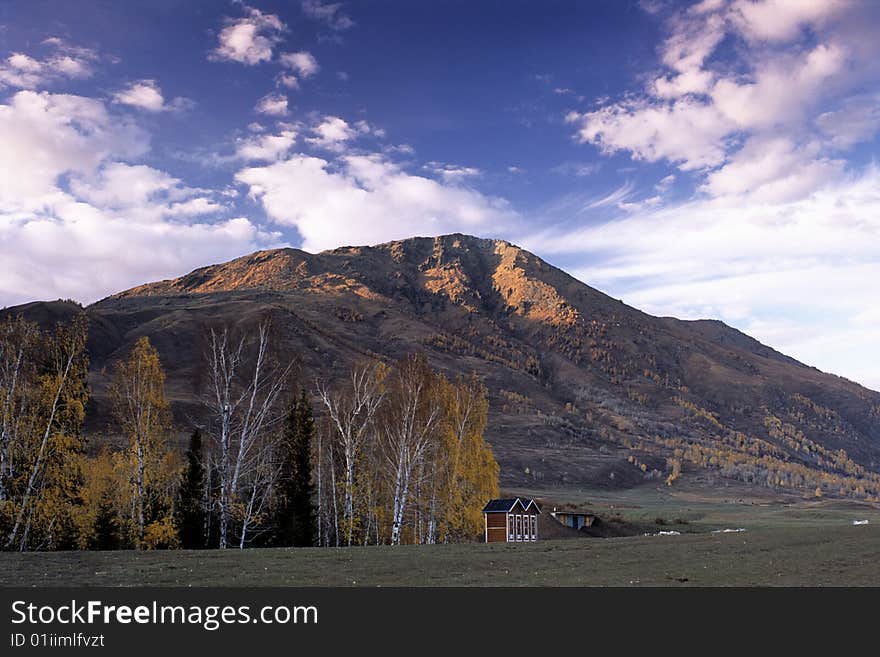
{"x":506,"y":505}
{"x":531,"y":503}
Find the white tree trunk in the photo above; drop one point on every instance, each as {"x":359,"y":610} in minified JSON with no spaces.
{"x":24,"y":510}
{"x":246,"y":411}
{"x":141,"y":492}
{"x":351,"y":413}
{"x":9,"y":382}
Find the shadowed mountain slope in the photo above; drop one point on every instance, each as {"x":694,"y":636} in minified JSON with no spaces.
{"x":584,"y":390}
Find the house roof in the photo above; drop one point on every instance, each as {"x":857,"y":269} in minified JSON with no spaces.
{"x":572,"y":512}
{"x":531,"y":503}
{"x":507,"y":504}
{"x":500,"y":505}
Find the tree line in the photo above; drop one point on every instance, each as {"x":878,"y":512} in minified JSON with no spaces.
{"x":395,"y":455}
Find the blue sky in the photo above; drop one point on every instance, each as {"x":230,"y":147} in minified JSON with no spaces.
{"x":711,"y":159}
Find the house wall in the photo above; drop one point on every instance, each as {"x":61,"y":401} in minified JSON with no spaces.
{"x":575,"y":520}
{"x":520,"y":527}
{"x":496,"y":527}
{"x":502,"y":527}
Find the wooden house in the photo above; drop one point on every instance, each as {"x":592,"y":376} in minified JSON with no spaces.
{"x":511,"y":520}
{"x":574,"y":518}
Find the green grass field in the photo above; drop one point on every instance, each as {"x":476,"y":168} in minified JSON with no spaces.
{"x":784,"y":544}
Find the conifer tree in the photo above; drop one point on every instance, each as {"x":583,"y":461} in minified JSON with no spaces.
{"x":105,"y":531}
{"x":190,"y":514}
{"x":296,"y":515}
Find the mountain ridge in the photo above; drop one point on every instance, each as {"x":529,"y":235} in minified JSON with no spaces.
{"x":584,"y":389}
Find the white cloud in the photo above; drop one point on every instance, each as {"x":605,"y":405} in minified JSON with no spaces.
{"x":795,"y":271}
{"x":146,"y":95}
{"x":22,"y":71}
{"x":687,"y":132}
{"x":118,"y":185}
{"x":579,"y":169}
{"x":103,"y":255}
{"x":249,"y":40}
{"x":194,"y":207}
{"x":782,"y":90}
{"x":773,"y":169}
{"x":269,"y":147}
{"x":402,"y":149}
{"x":759,"y":100}
{"x":452,"y":173}
{"x":364,"y":199}
{"x":781,"y":20}
{"x":333,"y":133}
{"x":665,"y":183}
{"x":330,"y":14}
{"x":287,"y":80}
{"x":302,"y":63}
{"x":857,"y":119}
{"x":45,"y":136}
{"x":273,"y":105}
{"x":613,"y":198}
{"x":709,"y":114}
{"x":141,"y":192}
{"x":65,"y":197}
{"x":693,"y":40}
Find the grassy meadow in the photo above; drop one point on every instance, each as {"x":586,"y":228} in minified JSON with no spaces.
{"x":784,"y":543}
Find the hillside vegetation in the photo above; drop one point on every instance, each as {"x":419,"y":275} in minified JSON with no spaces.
{"x":583,"y":390}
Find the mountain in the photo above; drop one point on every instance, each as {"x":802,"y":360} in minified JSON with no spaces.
{"x":584,"y":390}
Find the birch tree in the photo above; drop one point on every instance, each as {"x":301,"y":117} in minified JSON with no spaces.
{"x":245,"y":385}
{"x":422,"y":470}
{"x":351,"y":409}
{"x":257,"y":479}
{"x":141,"y":411}
{"x":465,"y":473}
{"x":42,"y":423}
{"x":327,"y":489}
{"x":408,"y":421}
{"x":17,"y":340}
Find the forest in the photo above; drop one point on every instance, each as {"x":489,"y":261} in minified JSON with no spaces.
{"x":389,"y":453}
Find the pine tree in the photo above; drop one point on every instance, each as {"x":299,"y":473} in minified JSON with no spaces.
{"x":295,"y":513}
{"x":190,"y":515}
{"x":105,"y":531}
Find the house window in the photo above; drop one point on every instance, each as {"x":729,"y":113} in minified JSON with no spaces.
{"x":510,"y":528}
